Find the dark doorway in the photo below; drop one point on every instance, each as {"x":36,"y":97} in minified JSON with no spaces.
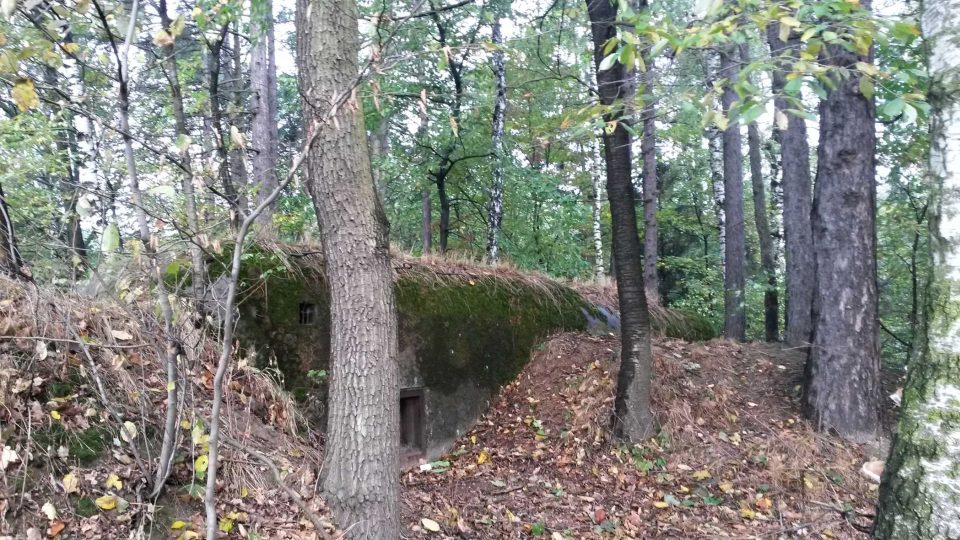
{"x":412,"y":441}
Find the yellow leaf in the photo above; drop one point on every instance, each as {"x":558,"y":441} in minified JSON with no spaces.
{"x":789,"y":21}
{"x":726,"y":487}
{"x":71,"y":47}
{"x":188,"y":535}
{"x":243,"y":491}
{"x":71,"y":484}
{"x":107,"y":502}
{"x":473,"y":439}
{"x":113,"y":481}
{"x":225,"y":525}
{"x":200,"y":465}
{"x":746,"y":512}
{"x":55,"y":415}
{"x":171,"y":386}
{"x":178,"y":524}
{"x":661,"y":504}
{"x":162,"y":38}
{"x":702,"y":474}
{"x":483,"y":457}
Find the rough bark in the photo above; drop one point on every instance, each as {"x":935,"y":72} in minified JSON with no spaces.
{"x":239,"y":175}
{"x":920,"y":495}
{"x":633,"y":420}
{"x":361,"y":464}
{"x":426,"y":221}
{"x":791,"y":131}
{"x":768,"y":263}
{"x":264,"y":139}
{"x":648,"y":152}
{"x":735,"y":256}
{"x":495,"y":204}
{"x":843,"y":368}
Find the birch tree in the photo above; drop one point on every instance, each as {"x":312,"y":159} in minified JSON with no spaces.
{"x":920,"y":495}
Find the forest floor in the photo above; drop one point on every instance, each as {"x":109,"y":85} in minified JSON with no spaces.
{"x":734,"y":458}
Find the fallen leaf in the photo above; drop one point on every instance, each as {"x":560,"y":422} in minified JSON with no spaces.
{"x":113,"y":481}
{"x":178,"y":524}
{"x":71,"y":484}
{"x":107,"y":502}
{"x":49,"y":510}
{"x":702,"y":474}
{"x":129,"y":431}
{"x":660,"y":504}
{"x":56,"y":528}
{"x":483,"y":457}
{"x":8,"y":456}
{"x":430,"y":525}
{"x":121,"y":335}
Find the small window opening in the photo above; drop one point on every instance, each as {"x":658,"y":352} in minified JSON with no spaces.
{"x":412,"y":443}
{"x":308,"y":313}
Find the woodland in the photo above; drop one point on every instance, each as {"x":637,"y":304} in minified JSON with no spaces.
{"x":765,"y":193}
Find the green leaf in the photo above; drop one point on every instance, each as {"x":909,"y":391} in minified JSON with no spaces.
{"x":608,"y":62}
{"x":893,"y":107}
{"x":751,"y":113}
{"x":793,"y":86}
{"x":866,"y":87}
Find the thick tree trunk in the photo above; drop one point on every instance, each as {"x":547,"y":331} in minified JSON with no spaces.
{"x":495,"y":205}
{"x":361,"y":465}
{"x":238,"y":153}
{"x":648,"y":151}
{"x":771,"y":303}
{"x":843,"y":369}
{"x":633,"y":419}
{"x":734,"y":277}
{"x":920,"y":495}
{"x":426,"y":221}
{"x":263,"y":85}
{"x":791,"y":131}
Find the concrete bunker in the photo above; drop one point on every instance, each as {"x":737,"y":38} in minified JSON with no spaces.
{"x":464,"y":332}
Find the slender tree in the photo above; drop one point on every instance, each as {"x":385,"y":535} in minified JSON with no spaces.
{"x":768,"y":262}
{"x":263,"y":85}
{"x":10,"y":261}
{"x":843,"y":368}
{"x":791,"y":132}
{"x":361,"y":466}
{"x":735,"y":256}
{"x":633,"y":419}
{"x":648,"y":152}
{"x":495,"y":204}
{"x":920,"y":495}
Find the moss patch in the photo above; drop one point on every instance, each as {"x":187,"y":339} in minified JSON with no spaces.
{"x":85,"y":446}
{"x":480,"y":330}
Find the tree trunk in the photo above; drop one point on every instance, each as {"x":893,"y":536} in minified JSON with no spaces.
{"x":715,"y":145}
{"x":238,"y":152}
{"x":441,"y":181}
{"x":735,"y":256}
{"x":495,"y":205}
{"x":10,"y":262}
{"x":633,"y":419}
{"x":791,"y":131}
{"x":843,"y":368}
{"x":263,"y":85}
{"x":648,"y":150}
{"x":426,"y":209}
{"x":598,"y":270}
{"x":771,"y":303}
{"x":197,"y":264}
{"x":920,"y":495}
{"x":361,"y":465}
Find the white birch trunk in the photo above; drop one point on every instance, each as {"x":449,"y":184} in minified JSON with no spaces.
{"x":920,"y":497}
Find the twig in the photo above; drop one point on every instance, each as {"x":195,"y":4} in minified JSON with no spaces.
{"x":317,"y":522}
